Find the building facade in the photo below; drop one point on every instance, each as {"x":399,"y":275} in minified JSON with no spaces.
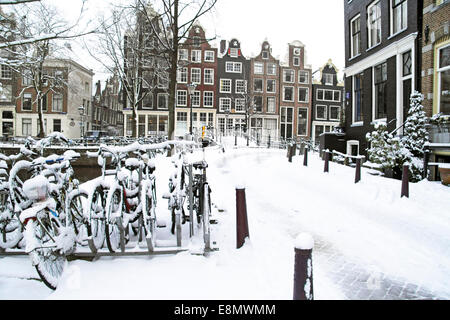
{"x":327,"y":98}
{"x":197,"y":66}
{"x":232,"y":97}
{"x":295,"y":94}
{"x":382,"y":59}
{"x":61,"y":104}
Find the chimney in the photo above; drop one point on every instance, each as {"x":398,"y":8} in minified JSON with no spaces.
{"x":223,"y":46}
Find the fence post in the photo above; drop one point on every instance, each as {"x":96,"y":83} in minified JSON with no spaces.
{"x":303,"y":269}
{"x":426,"y":159}
{"x":305,"y":156}
{"x":405,"y":181}
{"x":358,"y":170}
{"x":241,"y":218}
{"x":268,"y":146}
{"x":235,"y":139}
{"x":327,"y":160}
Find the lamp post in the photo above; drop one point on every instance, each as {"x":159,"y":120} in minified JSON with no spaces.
{"x":81,"y":110}
{"x":191,"y":88}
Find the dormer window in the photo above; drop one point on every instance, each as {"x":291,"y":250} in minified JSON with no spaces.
{"x":328,"y":78}
{"x":296,"y":61}
{"x":196,"y":41}
{"x":233,"y":52}
{"x":265,"y":55}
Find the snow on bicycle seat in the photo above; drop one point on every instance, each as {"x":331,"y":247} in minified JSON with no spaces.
{"x":200,"y":165}
{"x":132,"y":164}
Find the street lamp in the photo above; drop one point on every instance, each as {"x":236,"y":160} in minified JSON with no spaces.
{"x":81,"y":111}
{"x":191,"y":88}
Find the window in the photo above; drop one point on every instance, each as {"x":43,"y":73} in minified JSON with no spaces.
{"x":328,"y":95}
{"x":399,"y":15}
{"x":5,"y":93}
{"x":196,"y":75}
{"x":183,"y":75}
{"x":44,"y":103}
{"x":163,"y":101}
{"x":6,"y":72}
{"x":196,"y":56}
{"x":224,"y":104}
{"x":27,"y":79}
{"x":163,"y":124}
{"x":380,"y":88}
{"x":321,"y":112}
{"x":336,"y":95}
{"x":182,"y":98}
{"x":234,"y":52}
{"x":328,"y":78}
{"x":258,"y":103}
{"x":272,"y":69}
{"x":335,"y":113}
{"x":208,"y":99}
{"x":26,"y":127}
{"x":303,"y":77}
{"x":355,"y":41}
{"x":233,"y":67}
{"x":407,"y":64}
{"x":271,"y":108}
{"x":147,"y":102}
{"x":209,"y":76}
{"x":163,"y":80}
{"x":26,"y":102}
{"x":288,"y":94}
{"x":225,"y":85}
{"x":258,"y":68}
{"x":303,"y":94}
{"x":374,"y":24}
{"x":271,"y":86}
{"x":181,"y":116}
{"x":287,"y":122}
{"x":443,"y":74}
{"x":57,"y":105}
{"x":209,"y":56}
{"x":296,"y":61}
{"x":258,"y":85}
{"x":288,"y":76}
{"x":196,"y":99}
{"x":56,"y":125}
{"x":196,"y":41}
{"x":302,"y":127}
{"x":241,"y":86}
{"x":265,"y":55}
{"x":239,"y":105}
{"x":183,"y":54}
{"x":358,"y":98}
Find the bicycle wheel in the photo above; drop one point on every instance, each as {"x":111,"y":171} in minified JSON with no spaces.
{"x":114,"y":230}
{"x":48,"y":260}
{"x":206,"y":206}
{"x":148,"y":212}
{"x":10,"y":233}
{"x":77,"y":214}
{"x":96,"y":223}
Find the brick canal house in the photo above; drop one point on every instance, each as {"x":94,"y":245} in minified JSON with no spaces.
{"x":197,"y":65}
{"x":295,"y":94}
{"x":327,"y":97}
{"x":233,"y":100}
{"x":382,"y":59}
{"x":265,"y":94}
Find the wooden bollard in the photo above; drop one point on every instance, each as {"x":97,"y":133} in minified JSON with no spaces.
{"x":405,"y":181}
{"x":290,"y":153}
{"x":305,"y":157}
{"x":303,"y":269}
{"x":327,"y":161}
{"x":358,"y":170}
{"x":241,"y":218}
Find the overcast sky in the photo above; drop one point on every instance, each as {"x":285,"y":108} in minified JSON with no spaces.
{"x":318,"y":24}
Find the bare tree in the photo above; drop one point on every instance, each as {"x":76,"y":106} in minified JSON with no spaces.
{"x":37,"y":31}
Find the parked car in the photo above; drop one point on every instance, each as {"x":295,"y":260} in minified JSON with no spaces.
{"x":95,"y":135}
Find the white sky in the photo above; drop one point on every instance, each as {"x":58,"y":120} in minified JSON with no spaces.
{"x":319,"y":24}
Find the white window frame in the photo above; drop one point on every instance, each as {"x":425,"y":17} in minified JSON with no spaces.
{"x":371,"y":42}
{"x":327,"y":77}
{"x":271,"y":64}
{"x":204,"y":99}
{"x":178,"y":98}
{"x":198,"y":74}
{"x":225,"y":83}
{"x":196,"y":54}
{"x":236,"y":67}
{"x":338,"y":113}
{"x":260,"y":67}
{"x":182,"y":71}
{"x":300,"y":73}
{"x":239,"y":102}
{"x":307,"y":121}
{"x":392,"y":22}
{"x":274,"y":86}
{"x":293,"y":94}
{"x":158,"y":98}
{"x":30,"y":96}
{"x":359,"y":122}
{"x":296,"y":59}
{"x":284,"y":75}
{"x":352,"y":44}
{"x":333,"y":91}
{"x":274,"y":104}
{"x":54,"y":109}
{"x":307,"y":94}
{"x":196,"y":97}
{"x":325,"y":113}
{"x":439,"y":70}
{"x":205,"y":72}
{"x":183,"y":54}
{"x":244,"y":86}
{"x":209,"y":56}
{"x":221,"y":104}
{"x":262,"y":85}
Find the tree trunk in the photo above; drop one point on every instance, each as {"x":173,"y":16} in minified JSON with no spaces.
{"x":173,"y":75}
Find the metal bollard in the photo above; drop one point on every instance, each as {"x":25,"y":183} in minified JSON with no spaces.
{"x":303,"y":269}
{"x":305,"y":157}
{"x":358,"y":170}
{"x":241,"y":218}
{"x":405,"y":181}
{"x":327,"y":161}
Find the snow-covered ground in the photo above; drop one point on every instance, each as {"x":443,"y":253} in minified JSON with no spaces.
{"x":364,"y":227}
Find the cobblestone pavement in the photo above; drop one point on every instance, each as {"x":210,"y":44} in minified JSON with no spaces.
{"x":359,"y":283}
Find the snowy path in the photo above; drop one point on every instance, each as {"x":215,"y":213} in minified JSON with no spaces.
{"x":370,"y":244}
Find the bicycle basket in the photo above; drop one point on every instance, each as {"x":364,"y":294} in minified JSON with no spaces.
{"x":36,"y":188}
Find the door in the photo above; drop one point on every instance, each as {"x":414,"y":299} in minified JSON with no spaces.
{"x":407,"y":86}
